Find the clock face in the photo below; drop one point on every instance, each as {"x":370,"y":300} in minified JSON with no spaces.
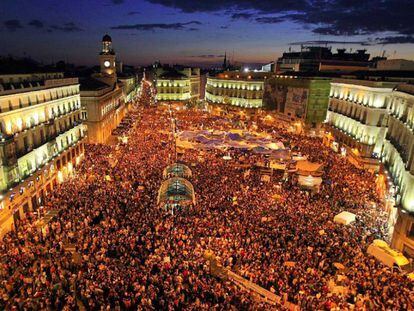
{"x":107,"y":63}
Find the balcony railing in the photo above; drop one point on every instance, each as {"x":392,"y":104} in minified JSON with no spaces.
{"x":22,"y":177}
{"x":50,"y":136}
{"x":399,"y":147}
{"x":6,"y":108}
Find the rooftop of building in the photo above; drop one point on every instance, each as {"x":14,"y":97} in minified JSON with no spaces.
{"x":172,"y":74}
{"x":18,"y":83}
{"x":395,"y":60}
{"x":325,"y":53}
{"x":301,"y":77}
{"x":242,"y":75}
{"x":91,"y":84}
{"x":367,"y":75}
{"x":366,"y":82}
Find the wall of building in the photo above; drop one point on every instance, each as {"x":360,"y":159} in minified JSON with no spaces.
{"x":178,"y":84}
{"x":403,"y":234}
{"x":35,"y":125}
{"x":29,"y":194}
{"x":195,"y":87}
{"x":395,"y":64}
{"x":398,"y":157}
{"x":318,"y":101}
{"x":41,"y":141}
{"x":174,"y":90}
{"x":298,"y":98}
{"x":103,"y":111}
{"x":378,"y":118}
{"x":37,"y":76}
{"x":358,"y":109}
{"x":242,"y":92}
{"x":130,"y":87}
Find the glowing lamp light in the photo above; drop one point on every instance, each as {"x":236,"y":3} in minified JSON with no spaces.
{"x":60,"y":177}
{"x":19,"y":124}
{"x":36,"y":118}
{"x":246,"y":69}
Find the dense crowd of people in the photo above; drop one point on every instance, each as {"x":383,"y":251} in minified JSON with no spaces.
{"x":129,"y":253}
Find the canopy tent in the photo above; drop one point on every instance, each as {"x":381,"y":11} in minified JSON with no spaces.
{"x":281,"y":154}
{"x":232,"y":139}
{"x":309,"y":168}
{"x":201,"y":139}
{"x":184,"y":144}
{"x":275,"y":146}
{"x":296,"y":157}
{"x":344,"y":218}
{"x":176,"y":190}
{"x":177,"y":170}
{"x":234,"y":136}
{"x":261,"y":150}
{"x":310,"y":182}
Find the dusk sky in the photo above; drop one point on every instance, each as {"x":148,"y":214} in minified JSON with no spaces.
{"x":200,"y":31}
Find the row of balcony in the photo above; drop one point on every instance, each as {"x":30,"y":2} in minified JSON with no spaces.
{"x":351,"y":141}
{"x":350,"y":135}
{"x":362,"y":120}
{"x":399,"y":128}
{"x":356,"y":101}
{"x":353,"y":117}
{"x":54,"y":153}
{"x":38,"y":101}
{"x":12,"y":154}
{"x":251,"y":89}
{"x":400,"y":148}
{"x":244,"y":96}
{"x":54,"y":117}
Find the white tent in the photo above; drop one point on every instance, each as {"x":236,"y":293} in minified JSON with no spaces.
{"x":344,"y":218}
{"x":310,"y":181}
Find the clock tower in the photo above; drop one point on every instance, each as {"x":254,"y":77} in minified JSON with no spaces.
{"x":107,"y":58}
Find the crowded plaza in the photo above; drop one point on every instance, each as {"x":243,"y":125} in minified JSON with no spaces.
{"x":113,"y":246}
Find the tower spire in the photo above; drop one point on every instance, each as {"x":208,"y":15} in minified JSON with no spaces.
{"x":225,"y":61}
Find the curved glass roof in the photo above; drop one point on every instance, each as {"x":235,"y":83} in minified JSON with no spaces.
{"x":175,"y":190}
{"x":177,"y":170}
